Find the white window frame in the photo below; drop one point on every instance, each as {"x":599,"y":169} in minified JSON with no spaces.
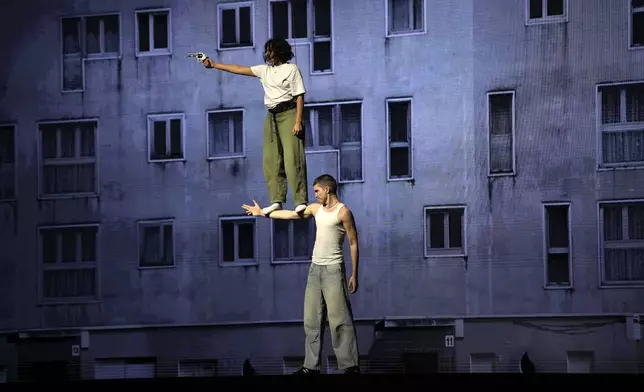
{"x":489,"y":135}
{"x":631,"y":11}
{"x":152,"y":51}
{"x":183,"y":364}
{"x":586,"y":355}
{"x":95,"y":160}
{"x":291,"y":236}
{"x":388,"y":34}
{"x":87,"y":56}
{"x":311,"y":38}
{"x":236,"y":6}
{"x":237,"y":262}
{"x":15,"y":163}
{"x":150,"y":142}
{"x":157,"y":223}
{"x":603,"y":283}
{"x":622,"y":127}
{"x":444,"y":253}
{"x":546,"y":19}
{"x":242,"y":154}
{"x":409,"y":100}
{"x":547,"y":251}
{"x":487,"y":356}
{"x":86,"y":265}
{"x":325,"y":150}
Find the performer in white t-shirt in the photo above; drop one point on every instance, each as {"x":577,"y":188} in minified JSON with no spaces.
{"x":283,"y":156}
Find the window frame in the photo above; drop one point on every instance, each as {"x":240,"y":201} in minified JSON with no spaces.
{"x":603,"y":282}
{"x":152,"y":52}
{"x":546,"y":19}
{"x":631,"y":11}
{"x":310,"y":39}
{"x":291,"y":236}
{"x":621,"y":127}
{"x":211,"y":157}
{"x":389,"y":34}
{"x":96,"y":266}
{"x":236,"y":219}
{"x":151,"y":118}
{"x":411,"y":136}
{"x":15,"y":197}
{"x":41,"y":175}
{"x":325,"y":150}
{"x":161,"y":222}
{"x":444,"y":252}
{"x":488,"y":107}
{"x":83,"y":55}
{"x":546,"y":248}
{"x":235,"y":6}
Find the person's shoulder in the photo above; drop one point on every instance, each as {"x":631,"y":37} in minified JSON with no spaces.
{"x":345,"y":211}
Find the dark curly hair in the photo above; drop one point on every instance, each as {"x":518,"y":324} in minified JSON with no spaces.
{"x":280,"y":49}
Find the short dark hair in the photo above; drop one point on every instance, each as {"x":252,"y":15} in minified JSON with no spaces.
{"x":281,"y":50}
{"x":327,"y":180}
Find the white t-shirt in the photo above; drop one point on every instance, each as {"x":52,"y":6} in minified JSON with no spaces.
{"x":281,"y":83}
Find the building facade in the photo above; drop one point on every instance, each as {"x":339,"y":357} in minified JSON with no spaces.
{"x":492,"y":155}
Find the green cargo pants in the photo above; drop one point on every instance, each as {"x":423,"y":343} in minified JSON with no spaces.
{"x":284,"y":158}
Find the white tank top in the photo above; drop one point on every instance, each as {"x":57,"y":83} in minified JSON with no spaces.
{"x":329,"y":237}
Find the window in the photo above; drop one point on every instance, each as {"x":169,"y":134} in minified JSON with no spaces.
{"x":558,"y":257}
{"x":622,"y":234}
{"x":399,"y":151}
{"x":293,"y":239}
{"x":622,"y":124}
{"x":636,"y":25}
{"x":156,"y":244}
{"x":198,"y":368}
{"x":86,"y":38}
{"x":501,"y":122}
{"x":237,"y":241}
{"x":444,"y":231}
{"x":166,"y":137}
{"x":69,"y":258}
{"x":580,"y":361}
{"x":68,"y":152}
{"x":291,"y":19}
{"x":291,"y":364}
{"x":226,"y":133}
{"x":153,"y":32}
{"x":7,"y":162}
{"x":115,"y":368}
{"x":542,"y":11}
{"x":483,"y":363}
{"x":337,"y":127}
{"x":405,"y":17}
{"x":235,"y":25}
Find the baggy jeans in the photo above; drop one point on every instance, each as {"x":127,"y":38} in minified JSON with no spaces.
{"x":326,"y":289}
{"x":284,"y":158}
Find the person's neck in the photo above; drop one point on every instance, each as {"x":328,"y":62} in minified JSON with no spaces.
{"x":331,"y":202}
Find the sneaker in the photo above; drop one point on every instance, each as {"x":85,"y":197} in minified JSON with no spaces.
{"x":306,"y":372}
{"x":352,"y":370}
{"x":299,"y":209}
{"x":271,"y":208}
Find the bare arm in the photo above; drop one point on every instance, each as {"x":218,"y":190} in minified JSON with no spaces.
{"x":308,"y":213}
{"x":346,"y":217}
{"x":299,"y":109}
{"x":236,"y":69}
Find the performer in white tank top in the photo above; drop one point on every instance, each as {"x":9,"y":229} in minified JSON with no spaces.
{"x":326,"y":286}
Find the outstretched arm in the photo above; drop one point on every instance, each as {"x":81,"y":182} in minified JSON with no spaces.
{"x":256,"y":210}
{"x":236,"y":69}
